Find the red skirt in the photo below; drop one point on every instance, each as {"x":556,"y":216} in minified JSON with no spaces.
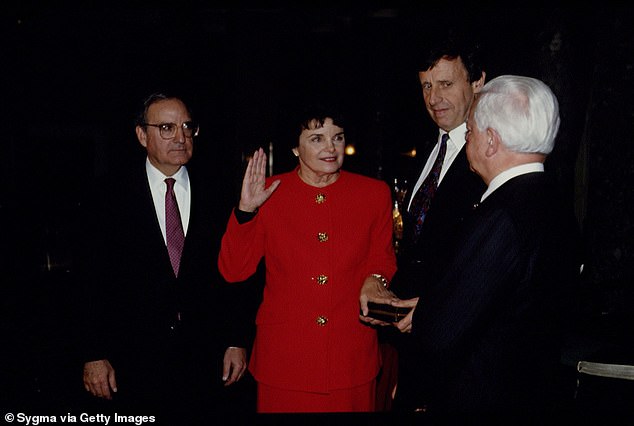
{"x":275,"y":400}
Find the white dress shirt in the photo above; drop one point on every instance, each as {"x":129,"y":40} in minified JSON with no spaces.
{"x":454,"y":144}
{"x":158,"y":187}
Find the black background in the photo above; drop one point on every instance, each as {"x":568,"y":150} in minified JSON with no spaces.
{"x":73,"y":78}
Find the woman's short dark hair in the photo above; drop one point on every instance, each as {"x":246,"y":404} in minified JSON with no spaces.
{"x":292,"y":120}
{"x":308,"y":115}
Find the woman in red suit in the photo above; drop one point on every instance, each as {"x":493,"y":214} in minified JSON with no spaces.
{"x":323,"y":233}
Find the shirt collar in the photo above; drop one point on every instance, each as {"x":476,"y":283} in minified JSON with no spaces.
{"x":457,"y":136}
{"x":156,"y":177}
{"x":506,"y":175}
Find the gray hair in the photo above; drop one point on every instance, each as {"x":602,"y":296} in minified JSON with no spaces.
{"x":522,"y":110}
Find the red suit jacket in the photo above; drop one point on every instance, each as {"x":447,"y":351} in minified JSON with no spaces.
{"x":319,"y":245}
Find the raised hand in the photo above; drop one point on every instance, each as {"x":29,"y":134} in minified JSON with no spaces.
{"x":254,"y":193}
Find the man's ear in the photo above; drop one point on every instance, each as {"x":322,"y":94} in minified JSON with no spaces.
{"x":479,"y":83}
{"x":493,"y":142}
{"x":141,"y":135}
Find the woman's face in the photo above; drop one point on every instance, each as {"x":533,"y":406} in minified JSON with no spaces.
{"x":320,"y":151}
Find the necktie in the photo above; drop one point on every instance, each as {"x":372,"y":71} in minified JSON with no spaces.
{"x":173,"y":226}
{"x":422,"y":198}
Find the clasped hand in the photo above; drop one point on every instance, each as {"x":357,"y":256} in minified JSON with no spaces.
{"x":374,"y":291}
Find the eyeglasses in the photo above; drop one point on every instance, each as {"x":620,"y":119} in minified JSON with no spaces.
{"x":168,"y":130}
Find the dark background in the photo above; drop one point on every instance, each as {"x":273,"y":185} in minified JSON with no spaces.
{"x":73,"y":78}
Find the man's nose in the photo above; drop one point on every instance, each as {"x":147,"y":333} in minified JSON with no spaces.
{"x":434,"y":96}
{"x":179,"y":137}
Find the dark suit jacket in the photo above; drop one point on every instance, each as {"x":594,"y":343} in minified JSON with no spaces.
{"x":134,"y":299}
{"x":423,"y":261}
{"x":488,"y":333}
{"x":453,"y":202}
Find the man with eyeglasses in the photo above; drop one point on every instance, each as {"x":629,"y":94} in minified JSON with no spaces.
{"x":160,"y":336}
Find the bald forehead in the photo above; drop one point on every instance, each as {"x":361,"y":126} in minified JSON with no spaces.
{"x":167,"y":106}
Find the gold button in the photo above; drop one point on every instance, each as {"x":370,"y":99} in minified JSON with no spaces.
{"x":322,"y":237}
{"x":322,"y":279}
{"x":320,"y":198}
{"x":321,"y":320}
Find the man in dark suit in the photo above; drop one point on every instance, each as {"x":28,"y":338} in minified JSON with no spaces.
{"x":487,"y":334}
{"x":450,"y":75}
{"x":162,"y":335}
